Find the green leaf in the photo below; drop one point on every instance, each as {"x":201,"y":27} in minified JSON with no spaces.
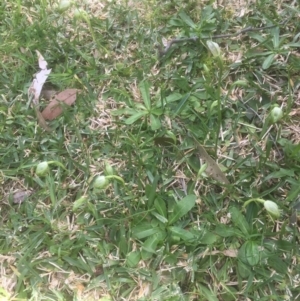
{"x":292,"y":44}
{"x":183,"y":234}
{"x":278,"y":264}
{"x":154,"y":122}
{"x":132,"y":119}
{"x":144,"y":230}
{"x":182,"y":104}
{"x":159,"y":217}
{"x":208,"y":238}
{"x":282,"y":172}
{"x":150,"y":245}
{"x":239,"y":221}
{"x":160,"y":206}
{"x":133,"y":258}
{"x":275,"y":32}
{"x":225,"y":231}
{"x":173,"y":97}
{"x":151,"y":190}
{"x":123,"y":241}
{"x":243,"y":269}
{"x":268,"y":61}
{"x":207,"y":294}
{"x":187,"y":19}
{"x":144,"y":88}
{"x":182,"y":208}
{"x":126,"y":111}
{"x":249,"y":253}
{"x":157,"y":111}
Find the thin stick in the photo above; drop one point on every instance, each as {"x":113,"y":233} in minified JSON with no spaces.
{"x":162,"y":52}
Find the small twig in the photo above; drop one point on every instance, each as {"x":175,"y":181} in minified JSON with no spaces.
{"x":162,"y":52}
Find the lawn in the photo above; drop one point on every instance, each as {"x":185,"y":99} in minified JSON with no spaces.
{"x":170,"y":170}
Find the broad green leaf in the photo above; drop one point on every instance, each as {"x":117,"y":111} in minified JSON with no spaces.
{"x":208,"y":238}
{"x":239,"y":221}
{"x":187,"y":19}
{"x":160,"y":206}
{"x":150,"y":245}
{"x":132,"y":119}
{"x":282,"y":172}
{"x":268,"y":61}
{"x":225,"y":231}
{"x":249,"y":253}
{"x":275,"y":32}
{"x":207,"y":13}
{"x":150,"y":189}
{"x":154,"y":122}
{"x":284,"y":245}
{"x":278,"y":264}
{"x":183,"y":234}
{"x":243,"y":269}
{"x":123,"y":241}
{"x":144,"y":88}
{"x":157,"y":111}
{"x":173,"y":97}
{"x":133,"y":258}
{"x":140,"y":107}
{"x":182,"y":208}
{"x":182,"y":104}
{"x":257,"y":37}
{"x":159,"y":217}
{"x":293,"y":44}
{"x":144,"y":230}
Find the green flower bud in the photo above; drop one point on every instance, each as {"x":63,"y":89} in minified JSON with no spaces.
{"x":79,"y":13}
{"x":272,"y":209}
{"x":63,"y":5}
{"x":100,"y":182}
{"x":79,"y":202}
{"x":108,"y":169}
{"x":241,"y":83}
{"x":276,"y":114}
{"x":205,"y":68}
{"x":42,"y":169}
{"x":214,"y":48}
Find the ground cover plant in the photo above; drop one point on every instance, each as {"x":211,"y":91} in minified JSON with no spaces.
{"x":173,"y":174}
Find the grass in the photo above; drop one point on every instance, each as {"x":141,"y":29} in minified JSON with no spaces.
{"x":167,"y":225}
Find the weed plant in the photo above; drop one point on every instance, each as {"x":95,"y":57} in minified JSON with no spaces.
{"x":125,"y":207}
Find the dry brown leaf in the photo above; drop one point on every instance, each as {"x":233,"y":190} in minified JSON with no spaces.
{"x":213,"y":170}
{"x":227,"y":253}
{"x":41,"y":120}
{"x":230,"y":253}
{"x":55,"y":108}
